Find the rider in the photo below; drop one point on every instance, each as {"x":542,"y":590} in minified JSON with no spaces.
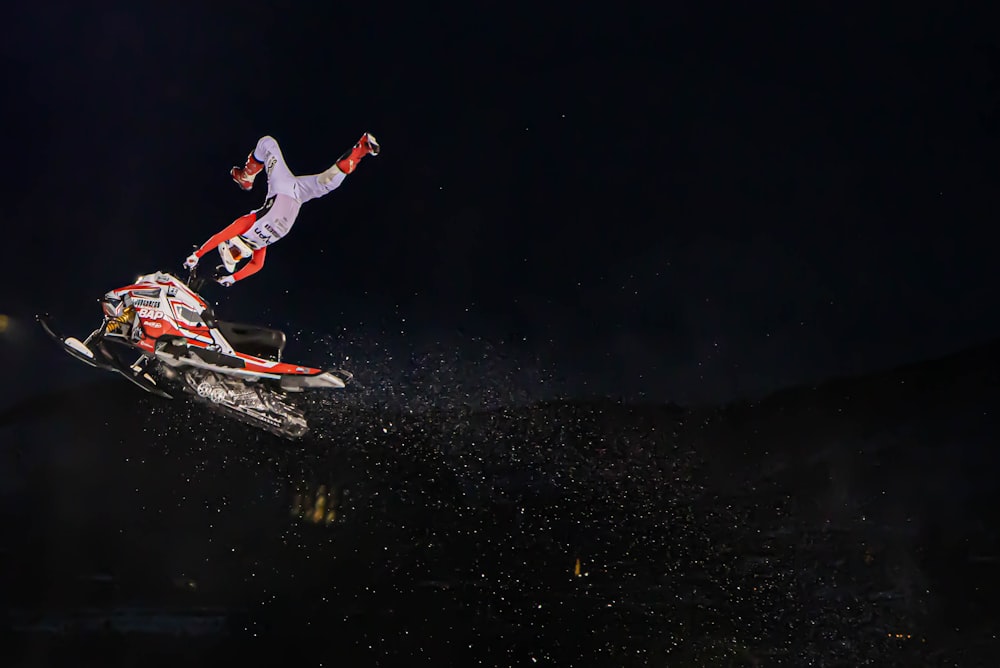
{"x":250,"y":235}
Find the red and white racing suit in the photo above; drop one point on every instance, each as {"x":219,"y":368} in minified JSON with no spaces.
{"x":286,"y":193}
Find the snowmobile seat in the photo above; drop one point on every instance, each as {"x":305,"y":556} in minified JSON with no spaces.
{"x":262,"y":342}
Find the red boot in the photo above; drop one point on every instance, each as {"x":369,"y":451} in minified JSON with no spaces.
{"x":244,"y":176}
{"x":366,"y":145}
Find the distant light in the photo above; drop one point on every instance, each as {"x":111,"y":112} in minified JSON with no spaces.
{"x":4,"y":323}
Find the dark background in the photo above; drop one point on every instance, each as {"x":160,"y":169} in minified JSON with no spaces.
{"x":657,"y":203}
{"x":676,"y":203}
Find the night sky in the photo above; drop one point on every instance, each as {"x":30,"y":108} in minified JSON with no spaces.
{"x":674,"y":203}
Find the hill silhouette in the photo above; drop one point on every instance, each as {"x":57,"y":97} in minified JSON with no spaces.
{"x":568,"y":530}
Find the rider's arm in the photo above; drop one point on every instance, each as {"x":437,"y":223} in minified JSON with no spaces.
{"x":236,"y":228}
{"x":253,"y":266}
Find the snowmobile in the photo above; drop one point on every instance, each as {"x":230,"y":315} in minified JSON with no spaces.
{"x":234,"y":369}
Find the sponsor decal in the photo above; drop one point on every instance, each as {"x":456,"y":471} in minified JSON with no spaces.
{"x":150,"y":314}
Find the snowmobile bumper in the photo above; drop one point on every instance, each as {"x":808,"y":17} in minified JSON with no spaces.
{"x":328,"y":379}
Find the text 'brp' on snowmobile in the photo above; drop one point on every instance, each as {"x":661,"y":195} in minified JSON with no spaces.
{"x":234,"y":368}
